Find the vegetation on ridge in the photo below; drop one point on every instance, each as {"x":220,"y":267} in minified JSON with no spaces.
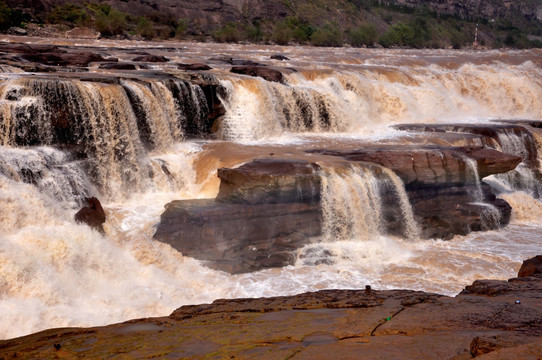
{"x":317,"y":22}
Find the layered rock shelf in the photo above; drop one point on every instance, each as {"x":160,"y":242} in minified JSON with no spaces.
{"x":269,"y":207}
{"x":489,"y":319}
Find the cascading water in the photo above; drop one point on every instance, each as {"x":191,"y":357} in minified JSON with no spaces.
{"x":372,"y":98}
{"x":355,"y":200}
{"x":524,"y":177}
{"x":98,"y":122}
{"x":128,"y":141}
{"x":351,"y":205}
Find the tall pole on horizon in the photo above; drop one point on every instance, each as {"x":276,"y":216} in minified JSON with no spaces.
{"x":475,"y":43}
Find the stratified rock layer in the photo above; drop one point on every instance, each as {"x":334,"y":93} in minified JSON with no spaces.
{"x":269,"y":207}
{"x":500,"y":319}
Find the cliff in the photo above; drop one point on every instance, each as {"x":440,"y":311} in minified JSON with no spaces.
{"x":434,"y":23}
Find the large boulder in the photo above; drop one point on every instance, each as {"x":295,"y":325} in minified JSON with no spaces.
{"x":63,"y":59}
{"x":270,"y":181}
{"x":531,"y":266}
{"x":93,"y":214}
{"x":267,"y":73}
{"x":443,"y":212}
{"x":238,"y":237}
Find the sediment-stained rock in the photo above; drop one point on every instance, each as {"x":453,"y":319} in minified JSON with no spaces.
{"x":420,"y":166}
{"x":504,"y":137}
{"x":271,"y":206}
{"x":443,"y":212}
{"x":63,"y":59}
{"x":531,"y":266}
{"x":267,"y":73}
{"x":270,"y":181}
{"x":239,"y":237}
{"x":494,"y":318}
{"x":92,"y":214}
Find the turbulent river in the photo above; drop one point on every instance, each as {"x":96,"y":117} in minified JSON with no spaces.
{"x":57,"y":273}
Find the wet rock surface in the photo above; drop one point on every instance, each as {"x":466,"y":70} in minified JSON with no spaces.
{"x":489,"y":319}
{"x":531,"y":267}
{"x":270,"y":207}
{"x":267,"y":73}
{"x":92,"y":214}
{"x":433,"y":165}
{"x":238,"y":237}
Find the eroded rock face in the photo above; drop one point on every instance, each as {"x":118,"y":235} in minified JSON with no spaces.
{"x":270,"y":181}
{"x":445,"y":212}
{"x":358,"y":324}
{"x":269,"y":207}
{"x":63,"y":59}
{"x":531,"y":267}
{"x":237,"y":237}
{"x":432,"y":165}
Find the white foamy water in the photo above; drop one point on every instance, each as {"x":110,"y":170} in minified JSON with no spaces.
{"x":54,"y":272}
{"x":371,"y":99}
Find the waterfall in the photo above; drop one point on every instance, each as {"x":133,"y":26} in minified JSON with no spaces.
{"x":110,"y":127}
{"x":372,"y":98}
{"x":473,"y":177}
{"x":353,"y":207}
{"x":526,"y":177}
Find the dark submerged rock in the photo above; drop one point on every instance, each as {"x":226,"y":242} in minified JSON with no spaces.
{"x":118,"y":66}
{"x":268,"y":74}
{"x":279,"y":57}
{"x":151,"y":58}
{"x":194,"y":67}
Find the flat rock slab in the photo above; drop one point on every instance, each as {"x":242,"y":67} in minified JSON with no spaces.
{"x":357,"y":324}
{"x":237,"y":237}
{"x":421,"y":166}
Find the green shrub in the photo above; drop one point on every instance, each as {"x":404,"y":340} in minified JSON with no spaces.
{"x":327,"y":35}
{"x":227,"y":33}
{"x":68,"y":14}
{"x":282,"y":34}
{"x":254,"y":32}
{"x":414,"y":34}
{"x":364,"y":35}
{"x":10,"y":17}
{"x":112,"y":22}
{"x":292,"y":29}
{"x":182,"y":27}
{"x":145,"y":28}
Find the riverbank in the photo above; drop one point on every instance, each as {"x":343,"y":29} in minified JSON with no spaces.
{"x":500,"y":318}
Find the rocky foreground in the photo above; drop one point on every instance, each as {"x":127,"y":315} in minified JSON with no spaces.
{"x":489,"y":319}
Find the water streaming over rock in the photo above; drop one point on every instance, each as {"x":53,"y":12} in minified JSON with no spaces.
{"x":111,"y":127}
{"x":355,"y":201}
{"x":128,"y":140}
{"x":369,"y":99}
{"x":527,"y":176}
